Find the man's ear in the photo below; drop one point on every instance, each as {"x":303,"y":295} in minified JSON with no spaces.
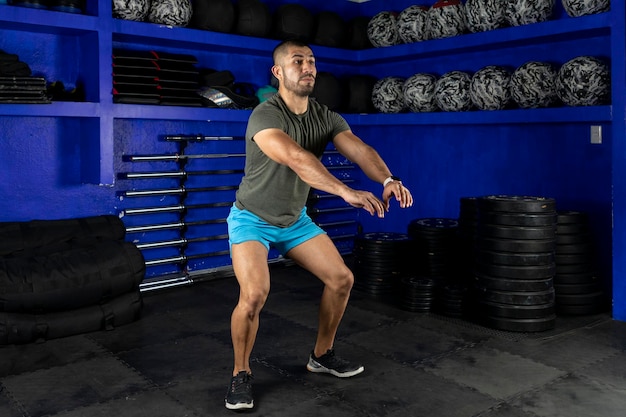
{"x":277,"y":71}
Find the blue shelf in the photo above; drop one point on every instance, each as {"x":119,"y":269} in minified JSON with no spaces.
{"x":596,"y":114}
{"x":46,"y":21}
{"x":553,"y":31}
{"x":162,"y":36}
{"x":154,"y":112}
{"x":55,"y":109}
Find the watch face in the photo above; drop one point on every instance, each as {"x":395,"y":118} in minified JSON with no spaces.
{"x":393,"y":177}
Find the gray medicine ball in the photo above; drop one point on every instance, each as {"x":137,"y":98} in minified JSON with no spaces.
{"x":452,"y":91}
{"x":382,"y":30}
{"x":170,"y":12}
{"x":412,"y":24}
{"x":419,"y":92}
{"x":446,"y":18}
{"x":524,"y":12}
{"x":484,"y":15}
{"x":387,"y":95}
{"x":131,"y":9}
{"x":576,"y":8}
{"x":584,"y":81}
{"x":533,"y":85}
{"x":490,"y":88}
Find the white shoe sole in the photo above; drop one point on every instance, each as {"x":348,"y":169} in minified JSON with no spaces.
{"x":240,"y":406}
{"x":319,"y":369}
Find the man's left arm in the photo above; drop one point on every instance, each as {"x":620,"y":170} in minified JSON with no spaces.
{"x":366,"y":157}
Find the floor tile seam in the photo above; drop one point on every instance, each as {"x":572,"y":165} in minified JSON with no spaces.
{"x":202,"y":334}
{"x":501,"y":404}
{"x":581,"y":374}
{"x":488,"y":332}
{"x":4,"y":390}
{"x":432,"y":359}
{"x":510,"y":398}
{"x":122,"y":397}
{"x":103,"y":353}
{"x":319,"y":392}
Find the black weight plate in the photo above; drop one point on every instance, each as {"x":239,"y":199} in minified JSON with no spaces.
{"x":579,"y":299}
{"x":521,"y":325}
{"x":518,"y":219}
{"x":517,"y":232}
{"x":516,"y":285}
{"x":517,"y":311}
{"x":566,"y":289}
{"x":576,"y":278}
{"x":571,"y":228}
{"x":574,"y":248}
{"x":573,"y":258}
{"x":434,"y":223}
{"x":383,"y":237}
{"x":517,"y":204}
{"x":577,"y":238}
{"x":580,"y":310}
{"x":581,"y":268}
{"x":520,"y":298}
{"x":516,"y":245}
{"x":516,"y":272}
{"x":571,"y":216}
{"x":511,"y":258}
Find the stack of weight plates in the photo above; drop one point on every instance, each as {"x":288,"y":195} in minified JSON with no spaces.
{"x":515,"y":267}
{"x":576,"y":284}
{"x":380,"y":262}
{"x":436,"y":245}
{"x":416,"y":294}
{"x":151,"y":77}
{"x":436,"y":257}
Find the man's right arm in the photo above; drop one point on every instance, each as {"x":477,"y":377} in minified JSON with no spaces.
{"x":279,"y":147}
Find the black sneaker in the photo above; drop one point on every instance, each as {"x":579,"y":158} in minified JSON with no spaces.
{"x":239,"y":395}
{"x":328,"y":363}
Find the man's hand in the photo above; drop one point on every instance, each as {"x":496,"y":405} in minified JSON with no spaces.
{"x":400,"y":192}
{"x":367,"y":201}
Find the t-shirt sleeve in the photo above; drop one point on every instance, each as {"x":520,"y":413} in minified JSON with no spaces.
{"x":263,"y":117}
{"x":338,"y":123}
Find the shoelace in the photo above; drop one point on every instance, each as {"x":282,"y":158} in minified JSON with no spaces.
{"x":240,"y":383}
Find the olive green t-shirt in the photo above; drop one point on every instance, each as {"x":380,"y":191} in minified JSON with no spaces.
{"x":272,"y":191}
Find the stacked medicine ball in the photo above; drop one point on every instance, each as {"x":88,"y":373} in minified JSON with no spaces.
{"x":448,"y":18}
{"x":514,"y":269}
{"x":581,"y":81}
{"x":63,"y":277}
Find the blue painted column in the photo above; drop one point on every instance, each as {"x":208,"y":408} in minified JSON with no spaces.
{"x":618,"y":70}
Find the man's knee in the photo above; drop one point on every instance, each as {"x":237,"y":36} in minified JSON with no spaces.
{"x":342,"y":282}
{"x":253,"y":301}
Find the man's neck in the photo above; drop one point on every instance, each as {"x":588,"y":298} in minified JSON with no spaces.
{"x":297,"y":104}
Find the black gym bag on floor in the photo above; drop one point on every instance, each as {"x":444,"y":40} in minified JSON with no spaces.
{"x":18,"y":328}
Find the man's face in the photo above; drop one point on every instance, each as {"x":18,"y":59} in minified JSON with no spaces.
{"x":298,"y":70}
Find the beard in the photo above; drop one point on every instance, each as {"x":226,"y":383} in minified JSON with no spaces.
{"x":299,"y":89}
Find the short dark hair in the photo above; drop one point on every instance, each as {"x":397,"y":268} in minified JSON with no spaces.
{"x":281,"y":47}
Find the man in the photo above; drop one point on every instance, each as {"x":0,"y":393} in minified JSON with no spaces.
{"x":285,"y":139}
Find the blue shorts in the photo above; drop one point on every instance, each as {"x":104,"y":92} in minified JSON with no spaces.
{"x":244,"y":226}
